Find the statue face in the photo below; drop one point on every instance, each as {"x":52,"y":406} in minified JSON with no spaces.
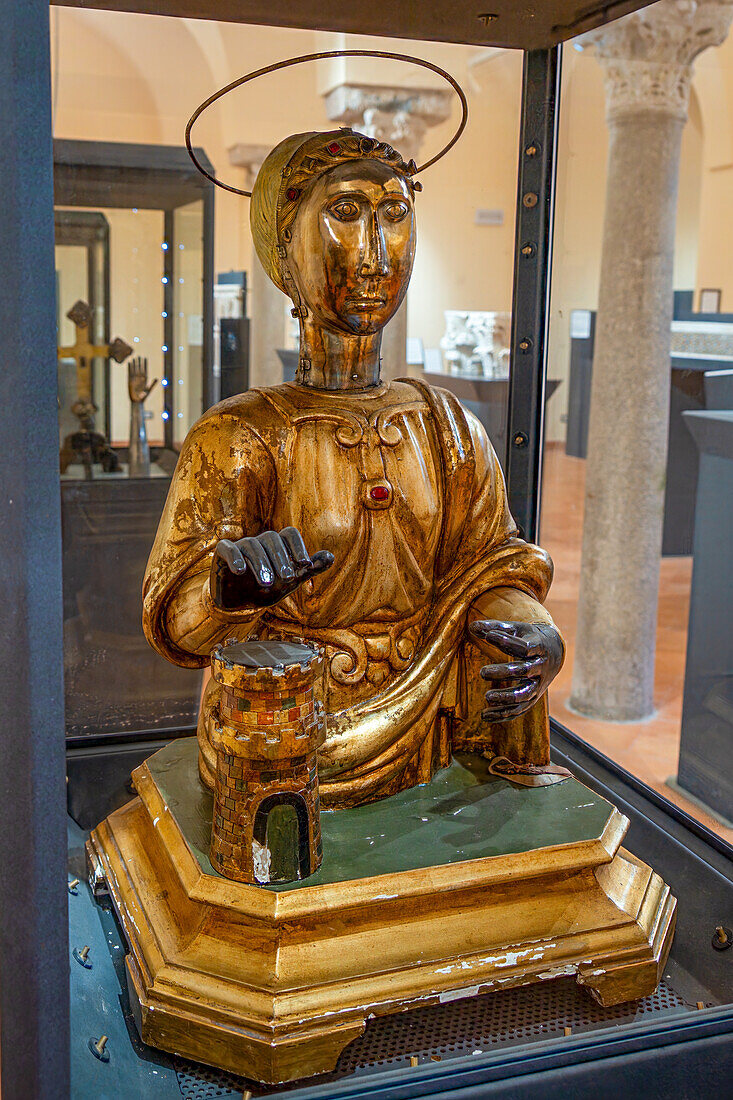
{"x":353,"y":247}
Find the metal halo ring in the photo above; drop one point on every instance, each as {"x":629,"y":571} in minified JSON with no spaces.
{"x":321,"y":57}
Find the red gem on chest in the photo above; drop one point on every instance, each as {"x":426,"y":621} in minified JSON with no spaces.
{"x":379,"y":492}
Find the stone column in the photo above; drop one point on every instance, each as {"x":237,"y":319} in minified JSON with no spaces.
{"x":647,"y":61}
{"x":401,"y":117}
{"x":267,"y":305}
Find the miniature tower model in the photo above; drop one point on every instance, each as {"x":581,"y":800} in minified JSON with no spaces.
{"x":266,"y":824}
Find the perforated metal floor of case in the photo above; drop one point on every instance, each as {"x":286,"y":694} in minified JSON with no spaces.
{"x":458,"y":1029}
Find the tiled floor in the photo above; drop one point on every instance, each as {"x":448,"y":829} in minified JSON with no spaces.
{"x":650,"y":748}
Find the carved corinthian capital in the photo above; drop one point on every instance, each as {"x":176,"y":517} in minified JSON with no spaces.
{"x":249,"y":157}
{"x":399,"y":116}
{"x":647,"y":56}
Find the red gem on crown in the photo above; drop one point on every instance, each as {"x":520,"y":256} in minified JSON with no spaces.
{"x":379,"y":492}
{"x":334,"y":148}
{"x":292,"y":193}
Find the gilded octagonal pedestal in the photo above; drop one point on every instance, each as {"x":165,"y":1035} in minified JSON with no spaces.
{"x":462,"y":886}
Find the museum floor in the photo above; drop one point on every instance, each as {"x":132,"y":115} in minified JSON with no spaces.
{"x":647,"y":749}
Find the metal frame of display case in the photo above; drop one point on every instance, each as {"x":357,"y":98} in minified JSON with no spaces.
{"x":34,"y":959}
{"x":531,"y":288}
{"x":657,"y":1059}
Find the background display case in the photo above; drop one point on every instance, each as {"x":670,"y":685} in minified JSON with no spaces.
{"x":156,"y":249}
{"x":547,"y":1045}
{"x":134,"y":239}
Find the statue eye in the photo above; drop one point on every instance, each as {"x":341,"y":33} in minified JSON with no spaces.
{"x":396,"y":211}
{"x":345,"y":210}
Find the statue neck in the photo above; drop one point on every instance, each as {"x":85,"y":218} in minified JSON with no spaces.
{"x":337,"y":361}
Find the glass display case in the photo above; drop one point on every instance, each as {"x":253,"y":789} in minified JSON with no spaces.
{"x":149,"y":271}
{"x":134,"y":227}
{"x":135,"y":241}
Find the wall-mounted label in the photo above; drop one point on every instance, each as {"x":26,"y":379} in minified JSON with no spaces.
{"x":489,"y":217}
{"x":195,"y":329}
{"x":580,"y":324}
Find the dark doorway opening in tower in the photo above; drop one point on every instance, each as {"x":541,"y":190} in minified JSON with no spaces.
{"x":281,"y":826}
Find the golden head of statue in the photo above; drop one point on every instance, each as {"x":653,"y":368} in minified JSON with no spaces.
{"x":333,"y":224}
{"x":367,"y":517}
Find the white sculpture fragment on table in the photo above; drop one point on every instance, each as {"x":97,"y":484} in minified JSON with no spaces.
{"x":476,"y":342}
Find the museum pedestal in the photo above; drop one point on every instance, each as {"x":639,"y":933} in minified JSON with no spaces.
{"x":705,"y":768}
{"x":465,"y":885}
{"x":719,"y":389}
{"x":689,"y":392}
{"x":113,"y":681}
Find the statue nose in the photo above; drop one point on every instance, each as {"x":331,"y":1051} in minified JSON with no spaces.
{"x":375,"y":254}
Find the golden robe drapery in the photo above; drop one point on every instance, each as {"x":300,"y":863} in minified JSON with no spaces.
{"x":437,"y":549}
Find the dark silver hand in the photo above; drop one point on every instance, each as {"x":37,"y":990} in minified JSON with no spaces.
{"x":261,"y":570}
{"x":537,"y":653}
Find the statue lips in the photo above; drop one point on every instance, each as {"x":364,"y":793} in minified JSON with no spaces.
{"x":366,"y":296}
{"x":365,"y":302}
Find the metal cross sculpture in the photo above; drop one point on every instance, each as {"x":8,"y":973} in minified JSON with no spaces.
{"x":87,"y":445}
{"x":83,"y":351}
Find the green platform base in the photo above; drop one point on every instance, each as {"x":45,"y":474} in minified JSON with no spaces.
{"x":464,"y":813}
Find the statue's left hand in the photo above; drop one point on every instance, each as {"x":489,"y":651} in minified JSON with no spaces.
{"x":536,"y":653}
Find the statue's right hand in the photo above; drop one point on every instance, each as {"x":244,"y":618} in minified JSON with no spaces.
{"x":261,"y":570}
{"x":137,"y":380}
